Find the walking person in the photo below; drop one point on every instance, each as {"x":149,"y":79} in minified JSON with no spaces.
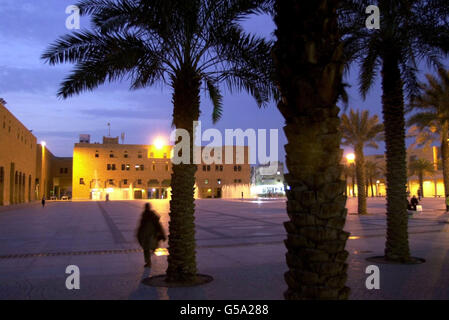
{"x":149,"y":233}
{"x":43,"y":202}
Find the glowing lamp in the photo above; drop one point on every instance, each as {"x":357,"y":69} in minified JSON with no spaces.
{"x":350,"y":157}
{"x":159,"y":143}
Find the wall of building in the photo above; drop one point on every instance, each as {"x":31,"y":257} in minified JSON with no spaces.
{"x":17,"y":160}
{"x":143,"y":171}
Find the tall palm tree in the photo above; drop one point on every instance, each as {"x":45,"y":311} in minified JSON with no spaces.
{"x":181,"y":44}
{"x":432,"y":119}
{"x":309,"y":62}
{"x":420,"y":168}
{"x":360,"y":130}
{"x":373,"y":172}
{"x":410,"y":30}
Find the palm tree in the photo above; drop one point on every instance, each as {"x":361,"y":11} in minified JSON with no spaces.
{"x":410,"y":30}
{"x":309,"y":62}
{"x":348,"y":172}
{"x":181,"y":44}
{"x":373,"y":172}
{"x":359,"y":130}
{"x":420,"y":168}
{"x":431,"y":123}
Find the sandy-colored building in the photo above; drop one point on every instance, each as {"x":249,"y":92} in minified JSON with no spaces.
{"x":17,"y":160}
{"x":124,"y":171}
{"x":53,"y":175}
{"x":433,"y":183}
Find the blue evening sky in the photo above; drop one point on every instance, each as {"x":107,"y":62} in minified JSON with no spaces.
{"x":29,"y":86}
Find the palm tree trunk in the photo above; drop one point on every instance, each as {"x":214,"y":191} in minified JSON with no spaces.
{"x":421,"y":183}
{"x":397,"y":245}
{"x":308,"y":58}
{"x":360,"y":176}
{"x":372,"y":186}
{"x":182,"y":255}
{"x":445,"y":158}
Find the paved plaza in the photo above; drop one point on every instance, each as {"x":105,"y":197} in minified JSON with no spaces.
{"x":239,"y":243}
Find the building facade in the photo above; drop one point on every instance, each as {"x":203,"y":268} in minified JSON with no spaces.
{"x":433,"y":185}
{"x":126,"y":172}
{"x":268,"y":182}
{"x":17,"y":160}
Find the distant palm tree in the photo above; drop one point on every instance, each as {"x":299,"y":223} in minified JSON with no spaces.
{"x":431,"y":123}
{"x":359,"y":130}
{"x":410,"y":30}
{"x":373,"y":173}
{"x":181,"y":44}
{"x":420,"y":168}
{"x":309,"y":62}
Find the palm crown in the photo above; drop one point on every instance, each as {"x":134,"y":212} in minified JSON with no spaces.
{"x":153,"y":41}
{"x":358,"y":129}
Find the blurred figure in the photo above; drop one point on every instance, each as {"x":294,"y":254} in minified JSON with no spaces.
{"x":43,"y":202}
{"x":414,"y":202}
{"x":149,"y":233}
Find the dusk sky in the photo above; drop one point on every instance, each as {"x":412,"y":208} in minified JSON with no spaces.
{"x":29,"y":86}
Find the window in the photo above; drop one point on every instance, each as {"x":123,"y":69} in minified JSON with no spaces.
{"x":61,"y":170}
{"x":111,"y":181}
{"x":219,"y":181}
{"x":66,"y":170}
{"x":113,"y":167}
{"x":139,"y":155}
{"x":235,"y":168}
{"x":126,"y":154}
{"x":128,"y":167}
{"x":81,"y":180}
{"x":123,"y":167}
{"x":109,"y":167}
{"x":142,"y":167}
{"x":111,"y":155}
{"x":166,"y":167}
{"x":139,"y":181}
{"x":206,"y":181}
{"x":239,"y":168}
{"x":204,"y":168}
{"x":154,"y":167}
{"x":125,"y":182}
{"x":208,"y":168}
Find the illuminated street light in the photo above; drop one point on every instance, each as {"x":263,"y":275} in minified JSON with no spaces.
{"x":350,"y":157}
{"x":43,"y":143}
{"x":159,"y":143}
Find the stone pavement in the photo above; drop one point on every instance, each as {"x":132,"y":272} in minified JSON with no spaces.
{"x":239,"y":243}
